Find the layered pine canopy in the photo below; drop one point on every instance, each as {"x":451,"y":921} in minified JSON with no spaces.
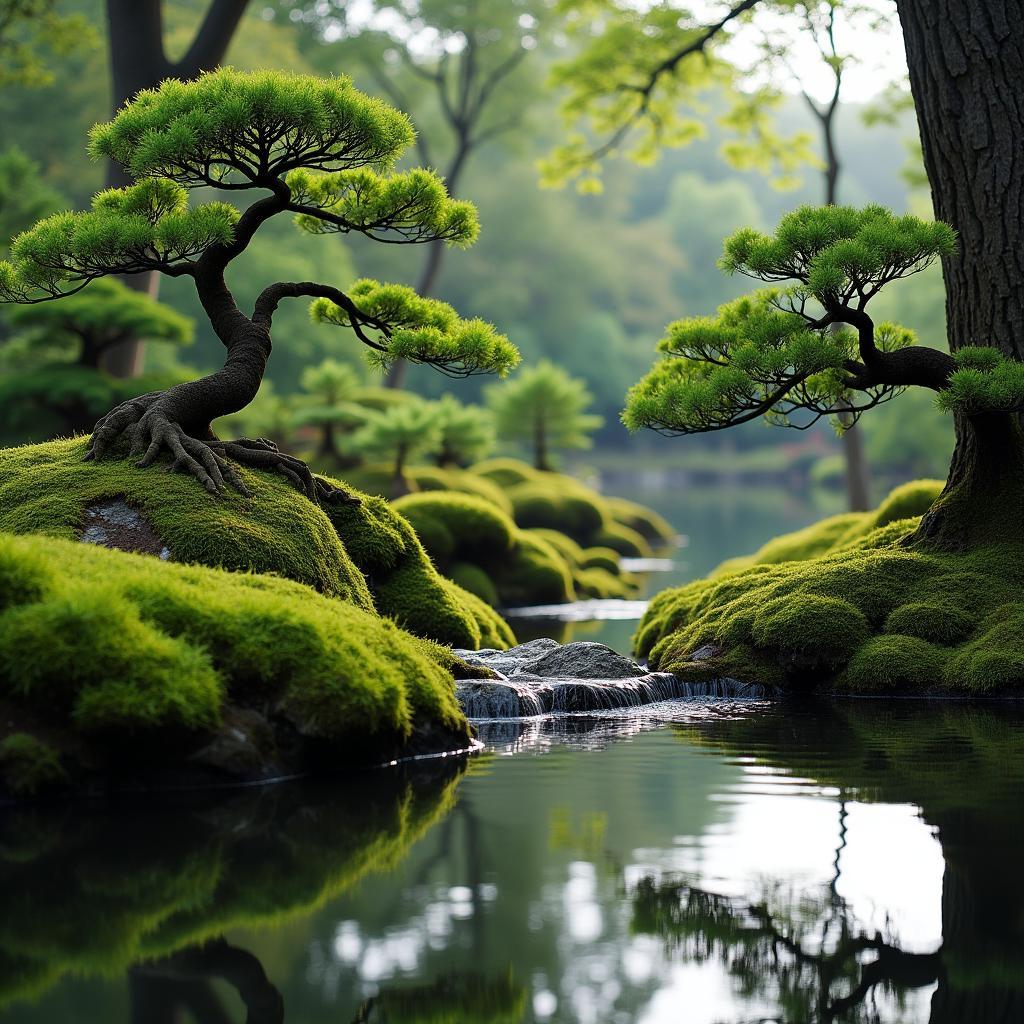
{"x":323,"y":151}
{"x":806,"y":347}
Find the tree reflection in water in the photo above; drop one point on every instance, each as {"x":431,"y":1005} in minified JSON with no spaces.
{"x":808,"y":957}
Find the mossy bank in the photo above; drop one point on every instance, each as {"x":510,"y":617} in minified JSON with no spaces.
{"x":848,"y":605}
{"x":307,"y":639}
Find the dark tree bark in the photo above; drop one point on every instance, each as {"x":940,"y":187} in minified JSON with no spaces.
{"x":966,"y":62}
{"x":138,"y":61}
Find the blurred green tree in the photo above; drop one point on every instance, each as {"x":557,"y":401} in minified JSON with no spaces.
{"x":329,"y":404}
{"x":545,"y":408}
{"x":466,"y":433}
{"x":398,"y":436}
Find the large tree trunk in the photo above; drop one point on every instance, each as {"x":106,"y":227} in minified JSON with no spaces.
{"x":138,"y":61}
{"x":966,"y":62}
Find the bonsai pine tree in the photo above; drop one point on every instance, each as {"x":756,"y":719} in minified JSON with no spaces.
{"x":317,"y":149}
{"x":466,"y":433}
{"x":544,"y":406}
{"x":107,"y":314}
{"x":808,"y":346}
{"x":329,"y":405}
{"x":398,"y":436}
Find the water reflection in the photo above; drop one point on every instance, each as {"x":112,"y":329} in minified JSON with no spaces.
{"x":708,"y":863}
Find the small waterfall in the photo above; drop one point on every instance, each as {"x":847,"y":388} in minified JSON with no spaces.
{"x":494,"y":699}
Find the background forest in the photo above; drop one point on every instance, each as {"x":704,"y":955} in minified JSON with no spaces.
{"x":585,"y":280}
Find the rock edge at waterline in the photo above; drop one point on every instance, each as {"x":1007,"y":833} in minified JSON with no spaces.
{"x":545,"y":677}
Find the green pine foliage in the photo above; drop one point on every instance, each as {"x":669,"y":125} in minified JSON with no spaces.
{"x":102,"y":315}
{"x":467,"y":433}
{"x":792,"y":352}
{"x":323,"y":149}
{"x":24,"y":195}
{"x":421,"y":329}
{"x":399,"y":436}
{"x":329,"y":403}
{"x":544,"y":408}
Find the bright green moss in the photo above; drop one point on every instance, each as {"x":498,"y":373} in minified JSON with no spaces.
{"x":533,"y":574}
{"x":602,"y":558}
{"x":337,"y":549}
{"x":553,"y":505}
{"x":936,"y":623}
{"x":29,"y":765}
{"x":459,"y":529}
{"x":406,"y":585}
{"x":126,"y":645}
{"x":810,"y":629}
{"x":895,"y":664}
{"x":860,"y":611}
{"x":623,"y":539}
{"x":907,"y":501}
{"x":472,"y":578}
{"x":46,"y":488}
{"x":431,"y":478}
{"x":505,"y":472}
{"x":470,"y":522}
{"x":563,"y":544}
{"x":648,"y":523}
{"x":597,"y":582}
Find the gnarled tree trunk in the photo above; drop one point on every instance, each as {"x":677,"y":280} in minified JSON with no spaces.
{"x":966,"y":62}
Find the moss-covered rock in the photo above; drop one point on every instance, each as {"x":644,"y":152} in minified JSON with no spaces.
{"x":366,"y":553}
{"x":843,"y":605}
{"x":648,"y":523}
{"x":135,"y":668}
{"x":405,"y":584}
{"x":48,"y":488}
{"x":479,"y":544}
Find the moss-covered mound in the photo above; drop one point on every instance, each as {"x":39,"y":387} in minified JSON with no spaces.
{"x":362,"y":553}
{"x":482,"y":548}
{"x":88,"y":894}
{"x":114,"y":665}
{"x":554,"y":501}
{"x":378,"y":479}
{"x":851,"y":610}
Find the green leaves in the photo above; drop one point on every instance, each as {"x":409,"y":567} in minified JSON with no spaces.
{"x":407,"y":326}
{"x":841,"y":254}
{"x":544,"y":406}
{"x":413,"y":205}
{"x":232,"y":127}
{"x":146,"y":226}
{"x":756,"y":357}
{"x":985,"y":381}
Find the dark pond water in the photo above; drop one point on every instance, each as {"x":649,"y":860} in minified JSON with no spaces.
{"x":704,"y":863}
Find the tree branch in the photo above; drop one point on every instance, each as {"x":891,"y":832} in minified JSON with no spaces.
{"x":211,"y":41}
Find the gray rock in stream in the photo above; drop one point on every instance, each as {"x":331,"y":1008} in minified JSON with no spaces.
{"x":548,"y":659}
{"x":545,"y":677}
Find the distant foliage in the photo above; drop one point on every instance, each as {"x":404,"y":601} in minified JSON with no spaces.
{"x":466,"y":433}
{"x":546,"y":409}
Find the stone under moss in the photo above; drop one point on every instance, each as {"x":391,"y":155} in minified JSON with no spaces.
{"x":509,"y":565}
{"x":143,"y":671}
{"x":844,"y":606}
{"x":366,"y":554}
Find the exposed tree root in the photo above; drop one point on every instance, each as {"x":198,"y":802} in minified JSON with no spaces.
{"x":150,"y":432}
